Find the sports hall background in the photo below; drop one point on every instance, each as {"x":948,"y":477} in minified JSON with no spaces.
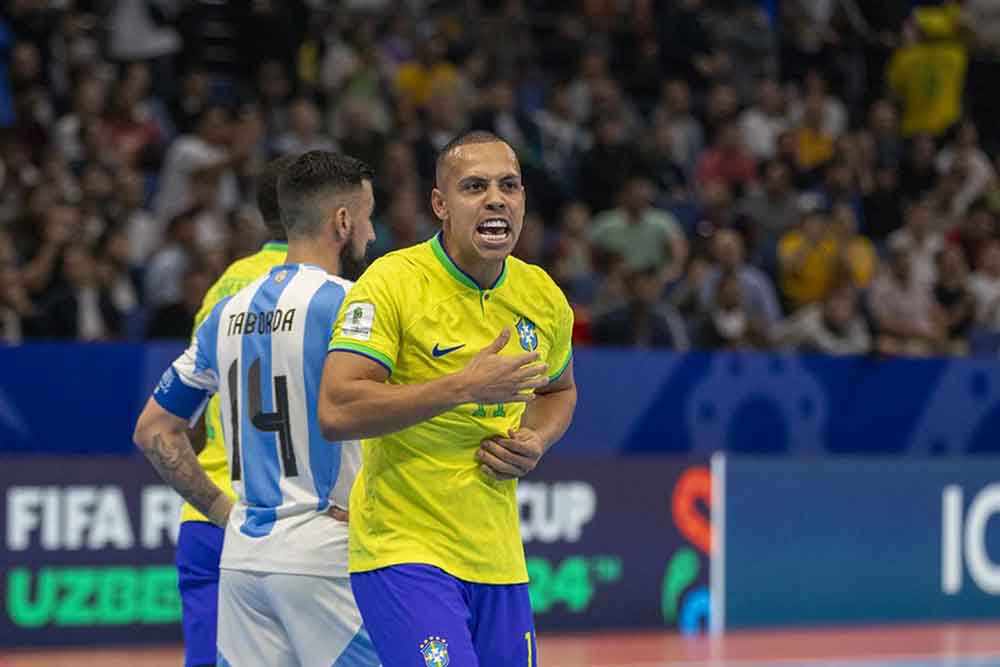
{"x":777,"y":223}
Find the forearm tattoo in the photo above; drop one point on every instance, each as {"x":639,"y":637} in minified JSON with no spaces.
{"x":177,"y":464}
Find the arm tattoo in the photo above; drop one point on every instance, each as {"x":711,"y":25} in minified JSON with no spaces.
{"x":174,"y":459}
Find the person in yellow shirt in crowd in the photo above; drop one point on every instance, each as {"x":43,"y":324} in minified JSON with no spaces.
{"x":822,"y":252}
{"x":927,"y":73}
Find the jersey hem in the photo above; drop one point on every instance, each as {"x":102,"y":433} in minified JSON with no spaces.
{"x":458,"y":573}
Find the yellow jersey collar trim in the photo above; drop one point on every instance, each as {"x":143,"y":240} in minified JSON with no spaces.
{"x":456,"y":272}
{"x":281,"y":246}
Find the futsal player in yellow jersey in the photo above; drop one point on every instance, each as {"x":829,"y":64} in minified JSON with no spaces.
{"x":453,"y":360}
{"x":199,"y":542}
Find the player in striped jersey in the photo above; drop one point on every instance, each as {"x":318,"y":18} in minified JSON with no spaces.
{"x":284,"y":595}
{"x":199,"y":541}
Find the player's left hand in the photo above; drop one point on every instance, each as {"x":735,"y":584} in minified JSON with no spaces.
{"x":512,"y":457}
{"x":338,"y":513}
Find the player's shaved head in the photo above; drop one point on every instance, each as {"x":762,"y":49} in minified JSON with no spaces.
{"x":315,"y":183}
{"x":267,"y":195}
{"x":447,"y":154}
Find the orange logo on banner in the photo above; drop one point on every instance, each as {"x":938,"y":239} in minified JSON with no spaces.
{"x":694,"y":485}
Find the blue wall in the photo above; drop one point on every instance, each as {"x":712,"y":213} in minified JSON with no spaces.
{"x":67,"y":398}
{"x":813,"y":542}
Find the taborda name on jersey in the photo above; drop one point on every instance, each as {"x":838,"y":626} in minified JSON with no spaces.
{"x":270,"y":321}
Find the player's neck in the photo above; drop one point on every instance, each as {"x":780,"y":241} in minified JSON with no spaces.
{"x":308,"y":252}
{"x":485,"y":273}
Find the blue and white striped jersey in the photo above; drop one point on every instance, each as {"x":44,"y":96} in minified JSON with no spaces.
{"x":263,"y":350}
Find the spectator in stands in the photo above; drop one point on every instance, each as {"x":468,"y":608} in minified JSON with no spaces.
{"x":605,"y":167}
{"x":918,"y":173}
{"x":726,"y":322}
{"x":646,"y":319}
{"x":883,"y":126}
{"x":831,"y":114}
{"x":213,"y":146}
{"x":686,"y":294}
{"x":954,"y":295}
{"x":814,"y":142}
{"x":176,"y":320}
{"x":114,"y":272}
{"x":304,"y":130}
{"x":567,"y":91}
{"x":758,"y":298}
{"x":668,"y":176}
{"x":133,"y":123}
{"x":561,"y":139}
{"x":825,"y":251}
{"x":403,"y":224}
{"x":921,"y":242}
{"x":976,"y":228}
{"x":932,"y":51}
{"x":772,"y":210}
{"x":762,"y":123}
{"x":501,"y":116}
{"x":728,"y":160}
{"x":17,"y":311}
{"x":645,"y":236}
{"x":686,"y":131}
{"x":145,"y":232}
{"x":573,"y":255}
{"x":721,"y":108}
{"x":168,"y":265}
{"x":882,"y":204}
{"x":89,"y":95}
{"x":907,"y":319}
{"x":194,"y":97}
{"x":965,"y":155}
{"x":417,"y":79}
{"x":832,"y":326}
{"x":82,"y":309}
{"x":60,"y":226}
{"x":360,"y":134}
{"x":985,"y":285}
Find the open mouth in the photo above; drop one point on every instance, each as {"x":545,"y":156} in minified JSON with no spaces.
{"x":494,"y":230}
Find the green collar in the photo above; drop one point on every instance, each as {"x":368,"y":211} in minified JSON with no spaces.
{"x":281,"y":246}
{"x":456,"y":272}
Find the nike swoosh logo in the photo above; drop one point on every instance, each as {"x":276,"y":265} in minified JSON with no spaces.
{"x":440,"y":352}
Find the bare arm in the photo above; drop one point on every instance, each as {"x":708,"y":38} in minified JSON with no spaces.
{"x":544,"y":422}
{"x":551,"y":413}
{"x":163,"y":438}
{"x":356,"y":402}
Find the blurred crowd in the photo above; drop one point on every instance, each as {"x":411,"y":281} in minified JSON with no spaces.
{"x":816,"y":175}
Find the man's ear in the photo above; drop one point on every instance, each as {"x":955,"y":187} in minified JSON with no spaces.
{"x":438,"y":205}
{"x":341,"y":223}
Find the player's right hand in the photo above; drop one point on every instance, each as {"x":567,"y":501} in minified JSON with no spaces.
{"x":492,"y":378}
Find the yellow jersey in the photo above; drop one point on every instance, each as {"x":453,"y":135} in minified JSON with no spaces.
{"x":237,"y":275}
{"x":929,"y":78}
{"x":819,"y":271}
{"x":420,"y":496}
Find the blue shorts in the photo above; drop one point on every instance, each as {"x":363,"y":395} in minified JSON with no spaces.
{"x":199,"y":547}
{"x":420,"y":616}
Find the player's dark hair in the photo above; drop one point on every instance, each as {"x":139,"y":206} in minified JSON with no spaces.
{"x":464,"y":139}
{"x":267,"y":195}
{"x":315,"y":175}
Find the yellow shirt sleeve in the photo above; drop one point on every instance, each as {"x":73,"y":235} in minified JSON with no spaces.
{"x":561,"y":351}
{"x":370,"y":322}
